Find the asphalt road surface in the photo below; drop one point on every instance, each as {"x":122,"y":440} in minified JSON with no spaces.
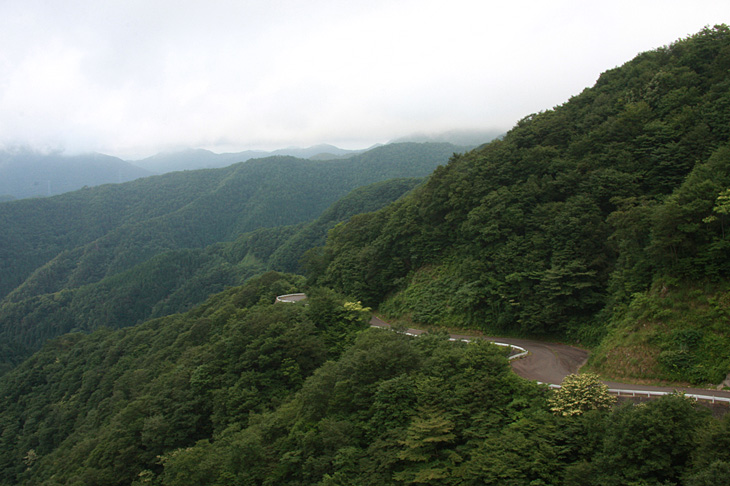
{"x":551,"y":362}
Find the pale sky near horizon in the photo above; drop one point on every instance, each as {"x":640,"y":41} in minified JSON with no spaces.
{"x":135,"y":77}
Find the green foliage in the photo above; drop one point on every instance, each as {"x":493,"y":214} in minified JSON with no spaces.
{"x":170,"y":282}
{"x":711,"y":457}
{"x":336,"y":318}
{"x":580,"y":393}
{"x":601,"y":217}
{"x":679,"y":331}
{"x":391,"y":410}
{"x":648,"y":444}
{"x":81,"y":237}
{"x":364,"y":199}
{"x":244,"y":391}
{"x":431,"y":296}
{"x":397,"y":410}
{"x":101,"y":408}
{"x":555,"y":228}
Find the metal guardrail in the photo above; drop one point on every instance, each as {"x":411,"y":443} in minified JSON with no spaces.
{"x":300,"y":296}
{"x":291,"y":297}
{"x":523,"y":352}
{"x":635,"y":393}
{"x":654,"y":393}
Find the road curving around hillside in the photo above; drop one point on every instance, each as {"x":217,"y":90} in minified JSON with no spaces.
{"x":549,"y":363}
{"x":545,"y":362}
{"x":291,"y":297}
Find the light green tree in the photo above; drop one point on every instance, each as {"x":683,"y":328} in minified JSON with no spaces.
{"x":722,"y":208}
{"x":579,"y":393}
{"x":355,"y":312}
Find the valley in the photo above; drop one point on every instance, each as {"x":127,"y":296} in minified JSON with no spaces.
{"x":140,"y":341}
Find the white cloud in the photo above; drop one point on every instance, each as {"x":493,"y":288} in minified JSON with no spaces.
{"x":134,"y":77}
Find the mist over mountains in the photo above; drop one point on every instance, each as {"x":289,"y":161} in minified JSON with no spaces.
{"x":193,"y":159}
{"x":26,"y":172}
{"x":141,"y":344}
{"x":467,"y":138}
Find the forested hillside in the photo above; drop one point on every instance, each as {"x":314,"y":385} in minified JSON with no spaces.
{"x":603,"y":220}
{"x":78,"y":238}
{"x":106,"y":389}
{"x":175,"y":280}
{"x":244,"y":391}
{"x":27,"y":173}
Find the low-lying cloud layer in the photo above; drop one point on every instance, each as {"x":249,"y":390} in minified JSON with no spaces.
{"x":130,"y":78}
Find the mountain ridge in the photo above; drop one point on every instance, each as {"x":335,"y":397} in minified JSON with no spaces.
{"x":191,"y":226}
{"x":602,"y":220}
{"x":576,"y":219}
{"x":194,"y":159}
{"x":26,"y":173}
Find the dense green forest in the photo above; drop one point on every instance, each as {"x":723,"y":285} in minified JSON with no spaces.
{"x":244,"y":391}
{"x":78,"y":238}
{"x":118,"y":254}
{"x":176,"y":280}
{"x":603,"y":220}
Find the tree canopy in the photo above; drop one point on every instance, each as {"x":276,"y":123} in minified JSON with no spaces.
{"x":576,"y":215}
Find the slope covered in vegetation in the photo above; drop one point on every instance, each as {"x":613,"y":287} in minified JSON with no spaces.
{"x":176,"y":280}
{"x":78,"y":238}
{"x":106,"y":403}
{"x":602,"y":220}
{"x":244,"y":391}
{"x":580,"y":212}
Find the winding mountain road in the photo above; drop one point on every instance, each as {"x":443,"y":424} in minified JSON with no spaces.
{"x":549,"y":362}
{"x":546,"y":362}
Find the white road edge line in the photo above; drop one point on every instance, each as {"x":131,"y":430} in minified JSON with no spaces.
{"x":523,"y":352}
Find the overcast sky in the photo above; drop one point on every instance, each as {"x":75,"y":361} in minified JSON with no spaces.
{"x":134,"y":77}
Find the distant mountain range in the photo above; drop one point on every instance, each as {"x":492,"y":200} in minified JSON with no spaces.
{"x":26,"y":173}
{"x":466,"y":138}
{"x":52,"y":245}
{"x":193,"y":159}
